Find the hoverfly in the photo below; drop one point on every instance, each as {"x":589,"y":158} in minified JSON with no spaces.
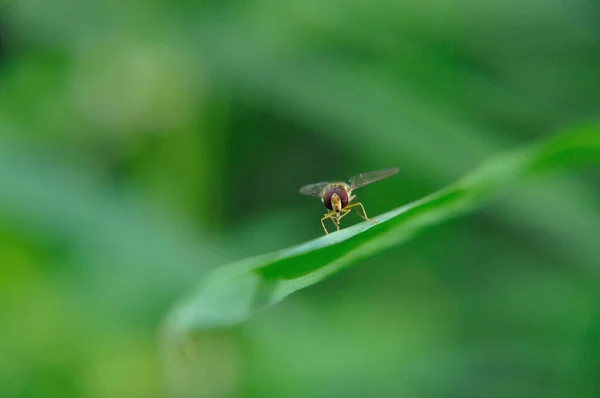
{"x":336,"y":196}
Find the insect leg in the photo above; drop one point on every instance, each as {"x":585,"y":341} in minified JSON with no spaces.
{"x":346,"y":211}
{"x":364,"y":212}
{"x":326,"y":216}
{"x":322,"y":224}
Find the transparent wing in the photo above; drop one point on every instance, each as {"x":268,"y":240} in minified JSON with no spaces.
{"x":314,"y":189}
{"x":366,"y":178}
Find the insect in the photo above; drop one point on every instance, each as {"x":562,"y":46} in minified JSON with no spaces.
{"x":336,"y":196}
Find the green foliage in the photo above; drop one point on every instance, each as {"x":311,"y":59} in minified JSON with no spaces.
{"x":234,"y":293}
{"x":145,"y":145}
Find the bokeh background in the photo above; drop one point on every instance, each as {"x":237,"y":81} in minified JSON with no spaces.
{"x":144,"y":143}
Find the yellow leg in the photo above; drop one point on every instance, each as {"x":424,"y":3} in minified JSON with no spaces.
{"x":328,"y":215}
{"x":364,"y":212}
{"x":345,"y":212}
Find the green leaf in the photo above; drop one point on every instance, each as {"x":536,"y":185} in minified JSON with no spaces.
{"x":446,"y":146}
{"x":234,"y":293}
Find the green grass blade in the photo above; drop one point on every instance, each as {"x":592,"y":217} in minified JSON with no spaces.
{"x":234,"y":293}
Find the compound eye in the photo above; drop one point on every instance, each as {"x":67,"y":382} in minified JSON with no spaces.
{"x":327,"y":198}
{"x":340,"y":192}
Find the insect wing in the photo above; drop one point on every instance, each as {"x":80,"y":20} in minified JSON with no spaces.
{"x":363,"y":179}
{"x":314,"y":189}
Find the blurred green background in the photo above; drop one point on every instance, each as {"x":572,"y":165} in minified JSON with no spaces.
{"x":144,"y":143}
